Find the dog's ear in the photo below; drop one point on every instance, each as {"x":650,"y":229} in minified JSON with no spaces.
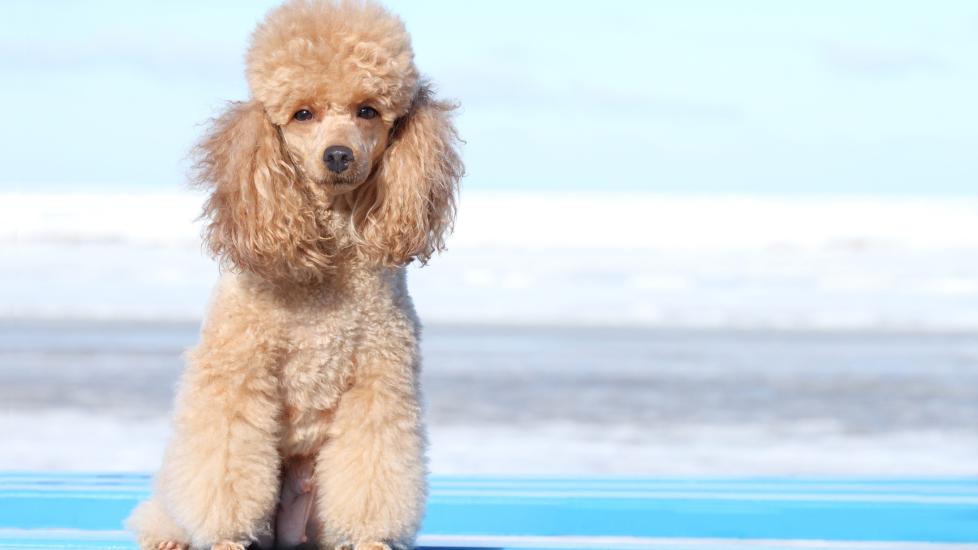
{"x":258,"y":218}
{"x":406,"y":210}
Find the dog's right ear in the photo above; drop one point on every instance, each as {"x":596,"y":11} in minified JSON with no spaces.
{"x":258,"y":218}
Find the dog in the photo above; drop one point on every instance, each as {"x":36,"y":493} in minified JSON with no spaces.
{"x":297,"y":419}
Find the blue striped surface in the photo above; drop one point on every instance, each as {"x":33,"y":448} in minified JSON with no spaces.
{"x":79,"y":510}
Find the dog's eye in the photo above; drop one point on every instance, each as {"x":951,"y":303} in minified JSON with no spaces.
{"x":302,"y":114}
{"x":367,"y":112}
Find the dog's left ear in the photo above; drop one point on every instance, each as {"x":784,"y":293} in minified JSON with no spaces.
{"x":414,"y":192}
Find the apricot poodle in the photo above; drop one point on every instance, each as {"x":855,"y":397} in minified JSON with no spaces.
{"x":297,"y":419}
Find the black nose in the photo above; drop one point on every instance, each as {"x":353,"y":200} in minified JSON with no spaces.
{"x":338,"y":158}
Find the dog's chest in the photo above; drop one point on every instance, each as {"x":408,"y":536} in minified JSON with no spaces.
{"x":325,"y":335}
{"x":318,"y":369}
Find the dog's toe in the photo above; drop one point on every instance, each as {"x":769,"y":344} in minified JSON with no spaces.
{"x":365,"y":546}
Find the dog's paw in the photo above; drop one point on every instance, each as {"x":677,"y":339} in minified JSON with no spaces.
{"x":228,"y":545}
{"x":172,"y":545}
{"x":366,"y":546}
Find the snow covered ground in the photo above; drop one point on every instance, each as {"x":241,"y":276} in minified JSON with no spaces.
{"x":568,"y":333}
{"x":633,"y":259}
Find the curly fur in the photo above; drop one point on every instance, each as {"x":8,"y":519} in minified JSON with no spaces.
{"x":412,"y":204}
{"x":262,"y":219}
{"x":310,"y":348}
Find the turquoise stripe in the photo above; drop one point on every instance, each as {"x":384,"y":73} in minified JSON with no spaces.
{"x":837,"y":509}
{"x":705,"y":519}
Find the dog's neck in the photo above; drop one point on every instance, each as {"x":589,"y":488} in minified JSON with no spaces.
{"x":340,"y":244}
{"x":354,"y":280}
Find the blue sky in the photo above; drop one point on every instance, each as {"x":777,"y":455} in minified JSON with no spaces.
{"x":681,"y":96}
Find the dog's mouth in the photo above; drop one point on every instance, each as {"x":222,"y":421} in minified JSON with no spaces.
{"x":335,"y":182}
{"x":340,"y":183}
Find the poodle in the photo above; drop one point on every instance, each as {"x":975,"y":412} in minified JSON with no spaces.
{"x":297,"y":419}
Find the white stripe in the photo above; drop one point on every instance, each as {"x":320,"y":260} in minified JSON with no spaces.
{"x":964,"y":486}
{"x":568,"y":542}
{"x":629,"y":543}
{"x":86,"y":496}
{"x":62,"y":491}
{"x":642,"y":487}
{"x":117,"y":535}
{"x":667,"y":495}
{"x":968,"y":487}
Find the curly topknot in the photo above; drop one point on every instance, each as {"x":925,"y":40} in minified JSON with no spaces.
{"x":312,"y":48}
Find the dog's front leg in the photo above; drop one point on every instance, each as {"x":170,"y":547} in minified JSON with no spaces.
{"x":220,"y":475}
{"x":370,"y":475}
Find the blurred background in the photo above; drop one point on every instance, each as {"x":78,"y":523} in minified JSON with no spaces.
{"x":695,"y":237}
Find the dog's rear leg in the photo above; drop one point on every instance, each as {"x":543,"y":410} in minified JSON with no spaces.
{"x":295,"y":503}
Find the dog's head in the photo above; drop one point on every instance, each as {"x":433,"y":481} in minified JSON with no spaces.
{"x":341,"y":135}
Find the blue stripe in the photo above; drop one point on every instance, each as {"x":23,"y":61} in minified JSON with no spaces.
{"x":705,"y":519}
{"x":837,"y":509}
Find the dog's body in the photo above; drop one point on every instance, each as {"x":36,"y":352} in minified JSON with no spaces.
{"x":308,"y":361}
{"x":328,"y":372}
